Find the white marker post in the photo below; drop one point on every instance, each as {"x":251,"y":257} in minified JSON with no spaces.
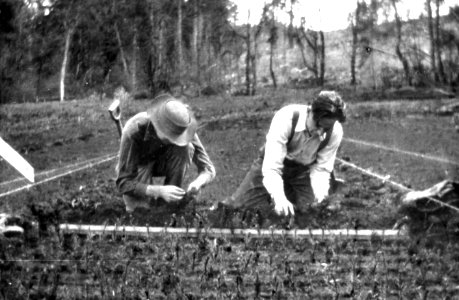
{"x":16,"y":160}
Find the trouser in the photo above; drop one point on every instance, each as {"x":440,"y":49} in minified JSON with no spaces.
{"x":251,"y":193}
{"x":172,"y":165}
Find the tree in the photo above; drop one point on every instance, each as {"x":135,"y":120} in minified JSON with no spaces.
{"x":273,"y":36}
{"x":290,"y":28}
{"x":71,"y":15}
{"x":398,"y":51}
{"x":15,"y":27}
{"x":315,"y":41}
{"x":450,"y":42}
{"x":438,"y":42}
{"x":322,"y":58}
{"x":355,"y":29}
{"x":179,"y":44}
{"x":68,"y":35}
{"x":250,"y":38}
{"x":120,"y":42}
{"x":89,"y":44}
{"x":362,"y":24}
{"x":430,"y":27}
{"x":197,"y":33}
{"x":248,"y":58}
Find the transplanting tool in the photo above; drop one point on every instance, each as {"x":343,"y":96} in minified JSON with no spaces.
{"x":115,"y":113}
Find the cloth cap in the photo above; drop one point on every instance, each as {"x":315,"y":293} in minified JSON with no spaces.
{"x":173,"y":120}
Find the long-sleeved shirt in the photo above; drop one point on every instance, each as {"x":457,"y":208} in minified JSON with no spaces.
{"x":303,"y":149}
{"x":140,"y":145}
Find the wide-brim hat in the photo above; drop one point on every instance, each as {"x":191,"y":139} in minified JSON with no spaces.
{"x":173,"y":119}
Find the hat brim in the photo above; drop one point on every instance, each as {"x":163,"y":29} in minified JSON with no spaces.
{"x":181,"y":139}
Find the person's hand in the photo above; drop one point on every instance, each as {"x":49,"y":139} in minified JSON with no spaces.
{"x":326,"y":203}
{"x":194,"y":188}
{"x":171,"y":193}
{"x":283,"y":207}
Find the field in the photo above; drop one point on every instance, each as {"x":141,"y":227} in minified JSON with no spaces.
{"x":400,"y":138}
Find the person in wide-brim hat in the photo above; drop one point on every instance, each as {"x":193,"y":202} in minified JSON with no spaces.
{"x":161,"y":142}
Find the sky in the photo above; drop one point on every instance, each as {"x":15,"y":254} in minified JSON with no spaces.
{"x":329,"y":15}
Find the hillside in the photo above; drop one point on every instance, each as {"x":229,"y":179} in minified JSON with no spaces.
{"x":375,"y":67}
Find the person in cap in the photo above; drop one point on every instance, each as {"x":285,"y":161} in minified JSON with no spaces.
{"x":294,"y":166}
{"x":161,"y":142}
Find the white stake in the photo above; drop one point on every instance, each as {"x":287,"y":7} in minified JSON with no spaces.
{"x":16,"y":160}
{"x":219,"y":232}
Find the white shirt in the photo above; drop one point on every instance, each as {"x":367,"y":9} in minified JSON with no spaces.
{"x":302,"y":149}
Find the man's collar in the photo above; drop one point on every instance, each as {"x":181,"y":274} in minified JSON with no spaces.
{"x":301,"y":125}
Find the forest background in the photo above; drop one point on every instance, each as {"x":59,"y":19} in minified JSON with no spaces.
{"x":61,"y":50}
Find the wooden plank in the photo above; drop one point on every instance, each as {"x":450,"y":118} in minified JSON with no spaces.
{"x":225,"y":232}
{"x":16,"y":160}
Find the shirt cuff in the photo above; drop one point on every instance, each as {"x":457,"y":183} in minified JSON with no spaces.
{"x":140,"y":189}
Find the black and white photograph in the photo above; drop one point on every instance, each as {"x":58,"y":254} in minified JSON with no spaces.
{"x":229,"y":149}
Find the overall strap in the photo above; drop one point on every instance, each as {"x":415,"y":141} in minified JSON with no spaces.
{"x":296,"y":115}
{"x":324,"y":143}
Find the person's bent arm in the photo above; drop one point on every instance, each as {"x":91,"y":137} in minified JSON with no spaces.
{"x":206,"y":169}
{"x":273,"y":162}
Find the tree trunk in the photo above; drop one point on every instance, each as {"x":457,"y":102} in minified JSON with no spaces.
{"x":179,"y":43}
{"x":432,"y":40}
{"x":39,"y":72}
{"x":248,"y":61}
{"x":123,"y":57}
{"x":40,"y":62}
{"x":401,"y":57}
{"x":290,"y":26}
{"x":438,"y":42}
{"x":254,"y":70}
{"x":64,"y":63}
{"x":315,"y":50}
{"x":313,"y":44}
{"x":272,"y":45}
{"x":300,"y":33}
{"x":206,"y":46}
{"x":353,"y":52}
{"x":135,"y":50}
{"x":196,"y":42}
{"x":322,"y":58}
{"x":161,"y":47}
{"x":271,"y":69}
{"x":302,"y":50}
{"x":38,"y":82}
{"x":457,"y":73}
{"x":152,"y":56}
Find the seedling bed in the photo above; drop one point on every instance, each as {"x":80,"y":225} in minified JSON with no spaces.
{"x":169,"y":266}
